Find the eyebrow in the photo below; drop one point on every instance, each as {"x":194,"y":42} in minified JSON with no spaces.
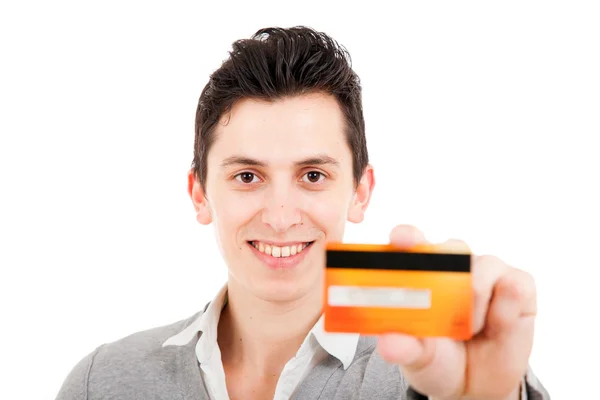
{"x":316,"y":160}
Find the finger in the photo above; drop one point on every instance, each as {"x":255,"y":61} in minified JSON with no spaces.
{"x":485,"y":272}
{"x":455,"y":246}
{"x":431,"y":365}
{"x":527,"y":291}
{"x":514,"y":300}
{"x":504,"y":309}
{"x":507,"y":339}
{"x":407,"y":236}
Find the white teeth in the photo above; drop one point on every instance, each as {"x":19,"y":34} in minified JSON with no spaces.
{"x":276,"y":251}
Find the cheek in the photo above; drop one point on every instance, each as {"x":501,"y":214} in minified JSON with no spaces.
{"x":232,"y":211}
{"x":328,"y":210}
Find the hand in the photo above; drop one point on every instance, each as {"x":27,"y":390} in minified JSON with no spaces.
{"x":493,"y":363}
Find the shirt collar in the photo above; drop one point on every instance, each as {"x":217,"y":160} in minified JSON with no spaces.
{"x":340,"y":345}
{"x":206,"y":324}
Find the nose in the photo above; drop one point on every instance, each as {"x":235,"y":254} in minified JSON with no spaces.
{"x":282,"y":209}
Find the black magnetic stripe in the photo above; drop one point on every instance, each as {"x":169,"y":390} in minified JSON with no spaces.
{"x":398,"y":260}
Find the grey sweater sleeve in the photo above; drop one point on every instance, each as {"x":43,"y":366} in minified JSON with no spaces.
{"x":532,"y":388}
{"x":75,"y":386}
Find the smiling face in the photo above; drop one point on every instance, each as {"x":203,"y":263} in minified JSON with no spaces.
{"x":279,"y":186}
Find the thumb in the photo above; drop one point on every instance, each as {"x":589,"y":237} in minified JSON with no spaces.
{"x":406,"y":350}
{"x":432,"y":366}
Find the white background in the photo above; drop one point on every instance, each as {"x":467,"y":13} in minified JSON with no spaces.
{"x":483,"y":124}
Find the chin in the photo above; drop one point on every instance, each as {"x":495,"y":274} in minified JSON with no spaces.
{"x":285,"y":291}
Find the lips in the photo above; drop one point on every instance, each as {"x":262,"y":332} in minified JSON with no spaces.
{"x":283,"y":255}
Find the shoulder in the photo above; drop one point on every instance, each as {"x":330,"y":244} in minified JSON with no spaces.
{"x":143,"y":344}
{"x":137,"y":362}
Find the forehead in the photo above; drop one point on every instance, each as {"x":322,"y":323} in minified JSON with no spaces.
{"x":283,"y":131}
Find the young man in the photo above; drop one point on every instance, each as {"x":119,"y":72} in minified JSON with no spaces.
{"x":280,"y":165}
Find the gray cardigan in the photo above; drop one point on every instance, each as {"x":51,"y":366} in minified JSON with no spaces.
{"x":138,"y":367}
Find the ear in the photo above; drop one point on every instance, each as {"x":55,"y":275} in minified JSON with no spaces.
{"x":362,"y":196}
{"x":198,"y":196}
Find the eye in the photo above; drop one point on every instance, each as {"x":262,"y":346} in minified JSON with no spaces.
{"x":313,"y":177}
{"x":246,"y":177}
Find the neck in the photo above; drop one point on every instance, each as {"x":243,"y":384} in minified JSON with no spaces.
{"x":264,"y":335}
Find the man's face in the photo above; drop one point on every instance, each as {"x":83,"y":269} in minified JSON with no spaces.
{"x":279,"y":186}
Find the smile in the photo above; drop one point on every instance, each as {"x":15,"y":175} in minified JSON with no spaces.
{"x":280,"y":251}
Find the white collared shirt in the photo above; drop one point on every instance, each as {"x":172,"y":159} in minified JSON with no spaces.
{"x":316,"y":346}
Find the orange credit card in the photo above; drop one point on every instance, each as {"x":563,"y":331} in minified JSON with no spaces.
{"x":421,"y":291}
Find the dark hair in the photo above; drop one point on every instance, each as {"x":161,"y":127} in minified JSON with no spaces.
{"x":275,"y":63}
